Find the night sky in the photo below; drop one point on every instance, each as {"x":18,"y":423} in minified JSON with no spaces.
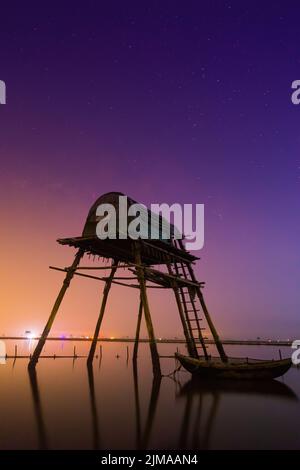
{"x":166,"y":101}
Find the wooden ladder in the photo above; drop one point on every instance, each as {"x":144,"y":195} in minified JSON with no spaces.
{"x":192,"y":311}
{"x":189,"y":305}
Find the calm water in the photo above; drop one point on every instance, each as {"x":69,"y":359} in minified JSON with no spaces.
{"x":115,"y":407}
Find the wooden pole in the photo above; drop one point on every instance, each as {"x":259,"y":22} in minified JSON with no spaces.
{"x":153,"y":346}
{"x":16,"y":350}
{"x":101,"y":314}
{"x":213,"y":330}
{"x":137,"y":334}
{"x":36,"y":354}
{"x":134,"y":286}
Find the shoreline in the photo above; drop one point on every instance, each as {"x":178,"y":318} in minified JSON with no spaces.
{"x":162,"y":341}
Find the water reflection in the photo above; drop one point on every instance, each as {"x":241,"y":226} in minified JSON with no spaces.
{"x":137,"y":406}
{"x":95,"y":419}
{"x":202,"y":400}
{"x":143,"y":435}
{"x":198,"y":440}
{"x":273,"y":388}
{"x":184,"y":413}
{"x":38,"y":412}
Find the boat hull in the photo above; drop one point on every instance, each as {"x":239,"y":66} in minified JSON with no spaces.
{"x":238,"y":369}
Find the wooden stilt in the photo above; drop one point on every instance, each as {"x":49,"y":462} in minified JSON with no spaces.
{"x":101,"y":314}
{"x":137,"y":334}
{"x":153,"y":346}
{"x":36,"y":354}
{"x":213,"y":330}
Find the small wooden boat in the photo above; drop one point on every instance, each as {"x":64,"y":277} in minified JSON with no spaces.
{"x":235,"y":368}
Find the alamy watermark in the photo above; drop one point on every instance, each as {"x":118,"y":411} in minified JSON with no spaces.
{"x":162,"y":221}
{"x":2,"y":92}
{"x":295,"y":96}
{"x":296,"y":354}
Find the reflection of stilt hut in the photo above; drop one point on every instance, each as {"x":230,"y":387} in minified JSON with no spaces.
{"x":142,"y":257}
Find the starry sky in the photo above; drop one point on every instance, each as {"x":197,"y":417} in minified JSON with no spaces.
{"x":166,"y":101}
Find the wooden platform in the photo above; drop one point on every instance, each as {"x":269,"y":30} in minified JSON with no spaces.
{"x":152,"y":252}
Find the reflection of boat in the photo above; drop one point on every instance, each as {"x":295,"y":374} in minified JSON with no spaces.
{"x":202,"y":398}
{"x":235,"y":368}
{"x":271,"y":388}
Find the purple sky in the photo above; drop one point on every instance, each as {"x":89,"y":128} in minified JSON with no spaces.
{"x":168,"y":101}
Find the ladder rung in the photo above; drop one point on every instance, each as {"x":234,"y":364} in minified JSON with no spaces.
{"x":193,"y":310}
{"x":197,"y":329}
{"x":196,"y":319}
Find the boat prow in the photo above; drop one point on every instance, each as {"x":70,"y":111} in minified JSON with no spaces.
{"x":235,"y":368}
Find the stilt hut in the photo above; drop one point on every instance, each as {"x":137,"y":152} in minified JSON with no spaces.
{"x":159,"y":261}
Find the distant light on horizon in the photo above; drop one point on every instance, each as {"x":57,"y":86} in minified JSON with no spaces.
{"x":30,"y":334}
